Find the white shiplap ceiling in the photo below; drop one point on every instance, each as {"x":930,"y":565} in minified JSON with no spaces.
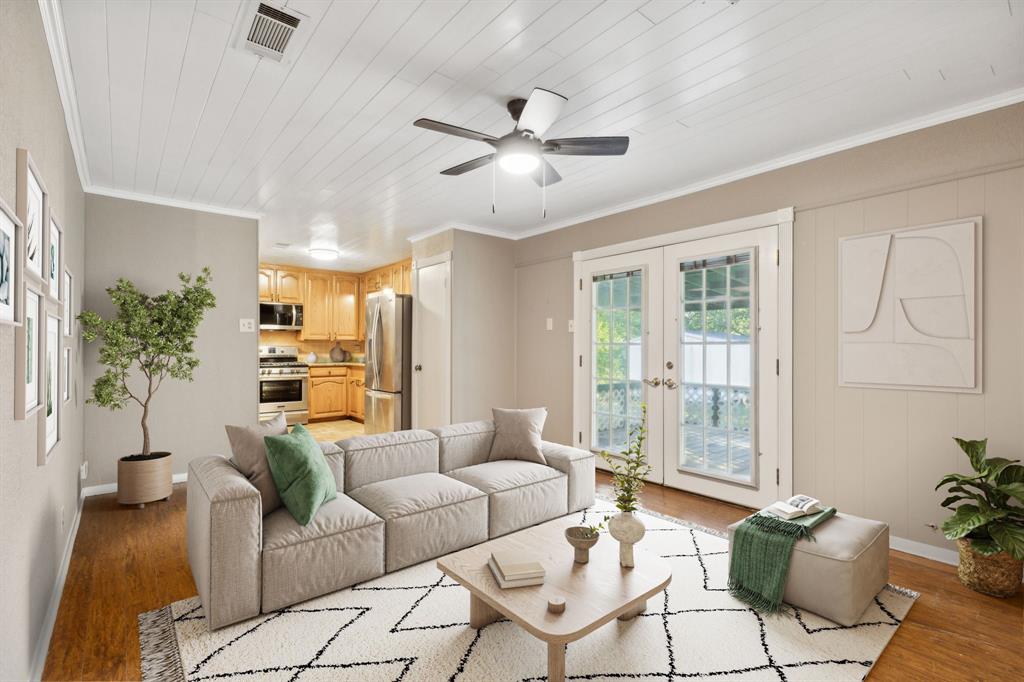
{"x":323,"y":147}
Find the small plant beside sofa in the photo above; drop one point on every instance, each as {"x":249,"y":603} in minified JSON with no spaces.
{"x":987,"y":521}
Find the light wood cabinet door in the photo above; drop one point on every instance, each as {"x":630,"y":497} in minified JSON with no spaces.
{"x":316,"y":311}
{"x":344,"y":320}
{"x":356,"y":395}
{"x":406,"y":278}
{"x":396,"y":279}
{"x":267,"y":285}
{"x":290,"y":286}
{"x":328,"y":397}
{"x":361,"y":309}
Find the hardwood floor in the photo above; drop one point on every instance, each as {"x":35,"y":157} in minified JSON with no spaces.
{"x":129,"y":560}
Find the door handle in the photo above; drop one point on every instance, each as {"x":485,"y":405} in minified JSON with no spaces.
{"x":670,"y":383}
{"x":655,"y":382}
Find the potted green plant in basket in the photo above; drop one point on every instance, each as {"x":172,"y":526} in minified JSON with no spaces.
{"x":156,"y":335}
{"x":987,"y":521}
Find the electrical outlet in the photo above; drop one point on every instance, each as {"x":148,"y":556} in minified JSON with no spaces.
{"x":83,"y":471}
{"x":247,"y":325}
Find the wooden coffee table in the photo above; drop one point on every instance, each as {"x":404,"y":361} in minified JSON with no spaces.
{"x":594,"y":593}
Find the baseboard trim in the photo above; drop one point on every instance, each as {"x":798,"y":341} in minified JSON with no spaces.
{"x":923,"y":549}
{"x":50,"y":619}
{"x":107,"y":488}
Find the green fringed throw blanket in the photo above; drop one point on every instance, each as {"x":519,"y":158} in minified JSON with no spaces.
{"x":759,"y":559}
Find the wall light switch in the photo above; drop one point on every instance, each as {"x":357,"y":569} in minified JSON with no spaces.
{"x":572,"y":326}
{"x":246,"y":324}
{"x":83,"y":471}
{"x":549,"y":324}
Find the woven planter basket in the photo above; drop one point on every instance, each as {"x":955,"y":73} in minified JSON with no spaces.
{"x":998,"y":575}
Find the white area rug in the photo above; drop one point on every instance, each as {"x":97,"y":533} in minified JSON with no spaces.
{"x":413,"y":625}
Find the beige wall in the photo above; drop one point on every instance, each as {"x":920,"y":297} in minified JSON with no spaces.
{"x":873,"y":452}
{"x":149,"y":245}
{"x":483,"y":328}
{"x":34,"y":532}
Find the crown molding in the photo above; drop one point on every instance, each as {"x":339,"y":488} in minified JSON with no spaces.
{"x":167,"y":201}
{"x":488,"y":231}
{"x":56,"y":41}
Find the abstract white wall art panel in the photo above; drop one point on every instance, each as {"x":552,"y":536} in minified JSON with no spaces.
{"x":910,"y":308}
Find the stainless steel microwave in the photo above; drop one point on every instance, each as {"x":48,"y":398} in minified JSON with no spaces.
{"x":280,"y":316}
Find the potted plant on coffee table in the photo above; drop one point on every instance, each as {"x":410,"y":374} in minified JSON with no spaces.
{"x":155,"y":335}
{"x":629,"y":469}
{"x":987,"y":521}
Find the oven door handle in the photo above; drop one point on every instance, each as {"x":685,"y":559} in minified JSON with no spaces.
{"x":288,"y":378}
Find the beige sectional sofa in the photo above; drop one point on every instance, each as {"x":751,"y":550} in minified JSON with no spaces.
{"x":403,"y":498}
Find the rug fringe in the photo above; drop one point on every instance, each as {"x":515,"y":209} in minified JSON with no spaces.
{"x":158,"y":645}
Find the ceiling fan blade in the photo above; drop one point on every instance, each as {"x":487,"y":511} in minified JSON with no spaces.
{"x":541,"y":110}
{"x":587,"y":146}
{"x":545,"y":174}
{"x":469,"y":165}
{"x":449,"y":129}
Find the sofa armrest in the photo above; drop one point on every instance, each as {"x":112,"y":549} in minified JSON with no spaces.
{"x":578,"y":465}
{"x":225,"y":540}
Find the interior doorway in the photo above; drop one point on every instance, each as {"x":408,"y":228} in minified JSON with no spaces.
{"x":431,"y":376}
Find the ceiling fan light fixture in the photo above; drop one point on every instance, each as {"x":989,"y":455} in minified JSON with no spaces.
{"x":518,"y":163}
{"x":323,"y":254}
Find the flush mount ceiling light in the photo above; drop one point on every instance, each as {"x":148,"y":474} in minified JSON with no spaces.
{"x":324,"y":254}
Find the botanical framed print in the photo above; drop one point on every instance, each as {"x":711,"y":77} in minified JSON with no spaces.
{"x":54,"y":244}
{"x":27,"y":345}
{"x":10,"y":275}
{"x":32,"y":205}
{"x":51,"y":402}
{"x":68,"y":294}
{"x":67,"y":374}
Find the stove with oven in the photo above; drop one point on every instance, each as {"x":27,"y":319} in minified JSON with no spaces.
{"x":284,"y":384}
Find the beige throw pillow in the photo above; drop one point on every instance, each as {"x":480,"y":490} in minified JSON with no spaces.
{"x":517,"y":434}
{"x":249,"y":453}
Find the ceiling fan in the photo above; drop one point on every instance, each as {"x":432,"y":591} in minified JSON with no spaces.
{"x":521,"y":151}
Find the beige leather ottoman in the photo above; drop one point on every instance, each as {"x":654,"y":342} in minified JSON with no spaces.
{"x":838,"y":574}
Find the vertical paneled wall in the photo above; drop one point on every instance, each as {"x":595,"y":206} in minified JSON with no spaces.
{"x":880,"y":452}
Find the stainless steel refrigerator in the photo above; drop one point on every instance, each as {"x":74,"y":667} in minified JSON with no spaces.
{"x":388,"y":362}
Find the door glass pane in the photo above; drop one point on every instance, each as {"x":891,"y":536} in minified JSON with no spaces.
{"x":717,"y":348}
{"x":617,"y":357}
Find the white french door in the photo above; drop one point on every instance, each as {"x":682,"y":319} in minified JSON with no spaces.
{"x":692,"y":331}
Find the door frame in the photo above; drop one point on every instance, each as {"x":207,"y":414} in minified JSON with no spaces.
{"x":783,"y":218}
{"x":417,"y":264}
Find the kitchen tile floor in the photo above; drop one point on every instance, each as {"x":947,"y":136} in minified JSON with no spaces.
{"x":336,"y":430}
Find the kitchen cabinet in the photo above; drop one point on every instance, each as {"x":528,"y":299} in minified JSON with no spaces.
{"x":356,"y":394}
{"x":316,"y":311}
{"x":280,"y":285}
{"x":328,"y":397}
{"x":344,"y":309}
{"x":406,"y":278}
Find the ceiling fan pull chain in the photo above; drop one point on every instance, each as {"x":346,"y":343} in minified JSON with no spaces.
{"x":544,"y":190}
{"x":494,"y":190}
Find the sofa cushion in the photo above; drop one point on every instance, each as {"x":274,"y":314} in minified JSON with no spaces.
{"x":342,"y":545}
{"x":303,"y":478}
{"x":463,"y":445}
{"x":517,"y":434}
{"x":369,"y":459}
{"x":426,"y":515}
{"x":249,"y":454}
{"x":520,"y":494}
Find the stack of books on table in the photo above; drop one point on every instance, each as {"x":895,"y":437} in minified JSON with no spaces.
{"x":511,"y":569}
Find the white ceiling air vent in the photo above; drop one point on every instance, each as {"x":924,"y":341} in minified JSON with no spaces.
{"x":268,"y":29}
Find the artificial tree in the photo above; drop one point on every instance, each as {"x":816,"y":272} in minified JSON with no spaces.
{"x":155,"y":334}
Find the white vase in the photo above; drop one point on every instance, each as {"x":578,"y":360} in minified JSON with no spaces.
{"x":628,"y":530}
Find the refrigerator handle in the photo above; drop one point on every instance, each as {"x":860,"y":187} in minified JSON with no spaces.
{"x":378,"y":332}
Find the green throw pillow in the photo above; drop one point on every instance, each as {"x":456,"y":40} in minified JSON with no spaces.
{"x":300,"y":472}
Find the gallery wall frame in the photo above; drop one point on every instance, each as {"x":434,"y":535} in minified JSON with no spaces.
{"x":910,"y":304}
{"x":32,"y":205}
{"x":69,"y":303}
{"x":11,"y":253}
{"x":53,"y":263}
{"x":28,"y":345}
{"x":50,"y":422}
{"x":68,"y":370}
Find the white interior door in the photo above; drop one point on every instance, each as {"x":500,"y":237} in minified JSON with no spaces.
{"x":618,"y":348}
{"x":720,"y":382}
{"x":431,"y":377}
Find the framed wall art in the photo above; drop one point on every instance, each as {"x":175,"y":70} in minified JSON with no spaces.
{"x":32,"y":205}
{"x":68,"y":294}
{"x":27,"y":345}
{"x":67,"y":374}
{"x":10,"y":266}
{"x":54,"y":250}
{"x":51,"y":387}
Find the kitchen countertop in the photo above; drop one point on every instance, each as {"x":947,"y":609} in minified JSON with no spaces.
{"x":320,"y":363}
